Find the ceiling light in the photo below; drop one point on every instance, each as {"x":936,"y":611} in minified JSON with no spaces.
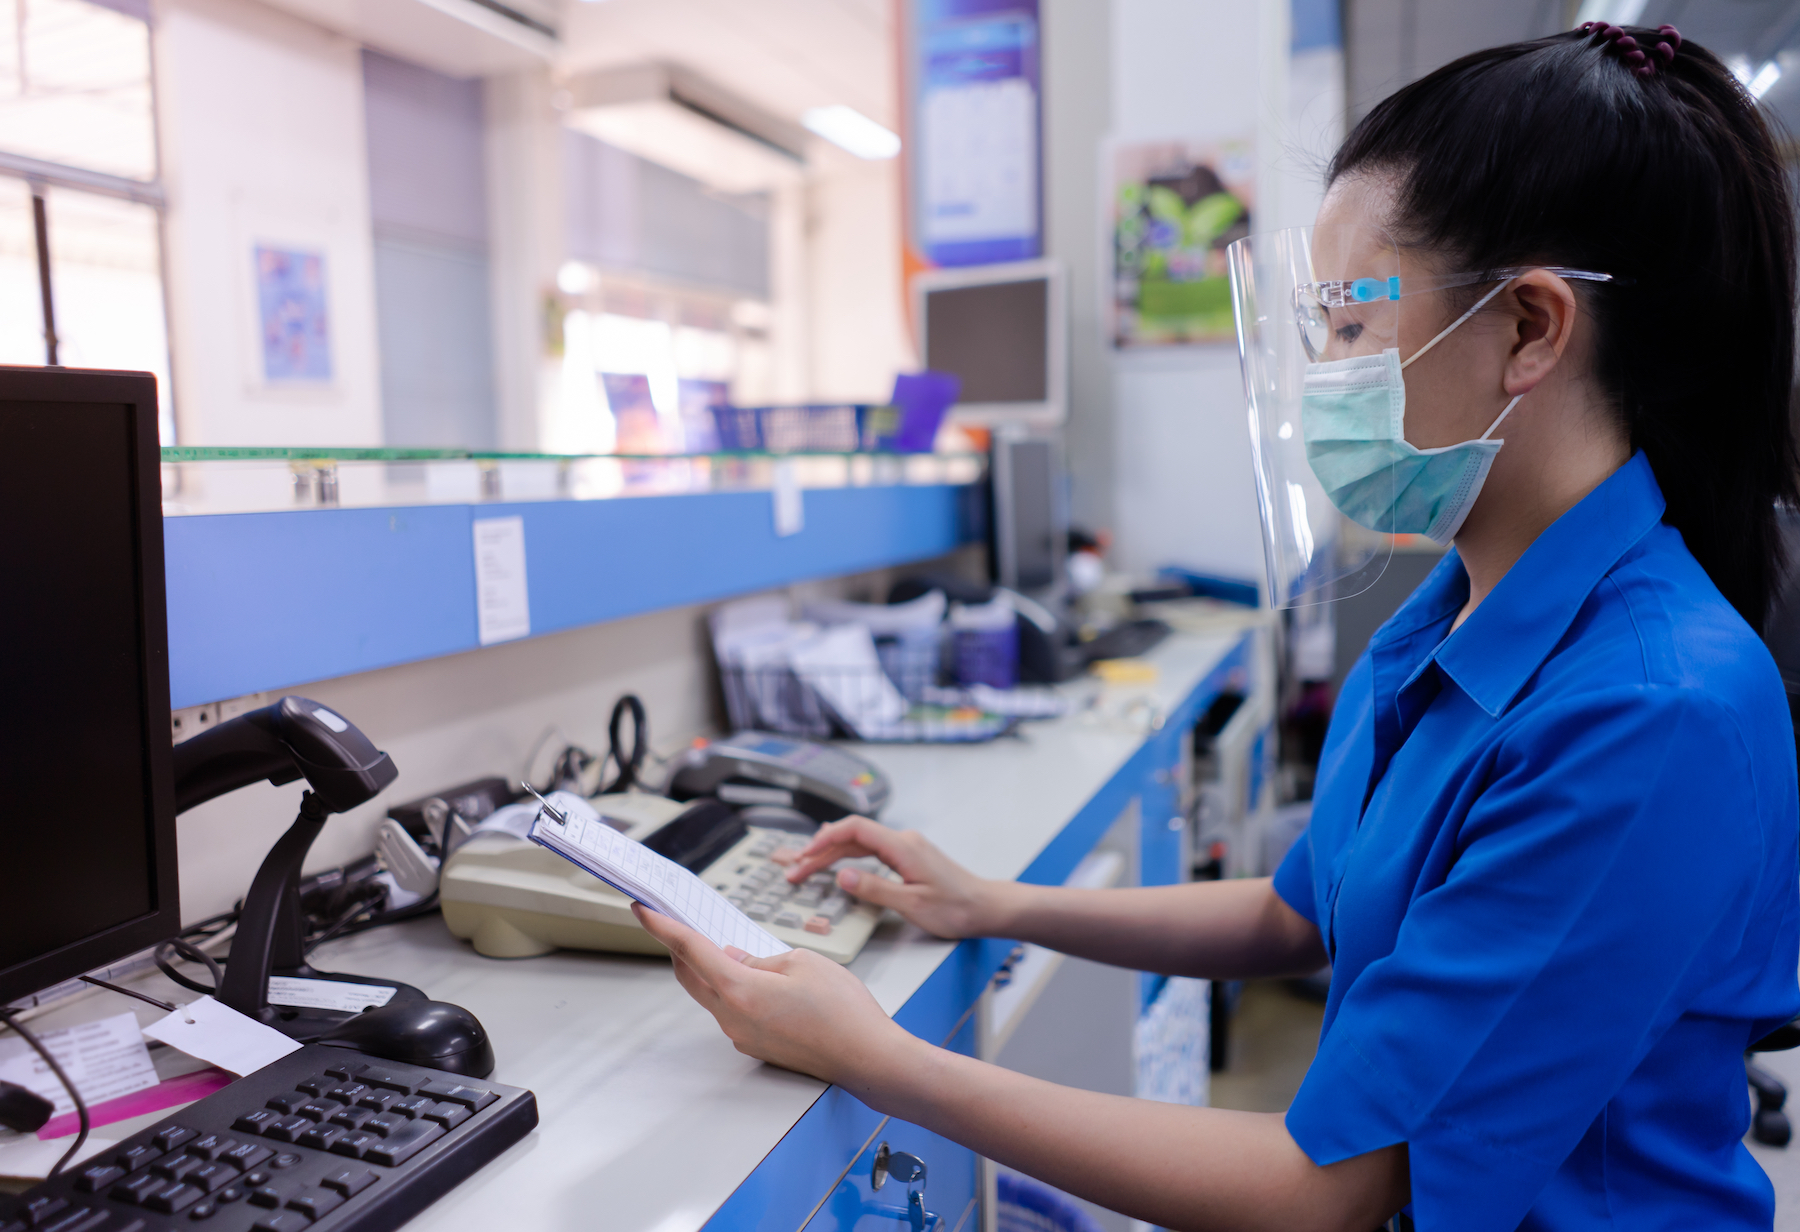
{"x":1766,"y":76}
{"x":1617,"y":12}
{"x":850,"y":129}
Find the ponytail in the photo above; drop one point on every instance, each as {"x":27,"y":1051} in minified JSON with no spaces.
{"x":1561,"y":151}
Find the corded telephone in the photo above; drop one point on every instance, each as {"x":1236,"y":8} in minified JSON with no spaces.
{"x":747,"y":798}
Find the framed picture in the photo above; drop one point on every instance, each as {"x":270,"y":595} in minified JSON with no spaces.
{"x":292,"y":312}
{"x":1173,"y":208}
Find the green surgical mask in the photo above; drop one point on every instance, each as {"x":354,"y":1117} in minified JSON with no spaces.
{"x":1353,"y":419}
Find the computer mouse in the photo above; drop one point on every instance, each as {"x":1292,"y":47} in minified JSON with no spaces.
{"x":434,"y":1034}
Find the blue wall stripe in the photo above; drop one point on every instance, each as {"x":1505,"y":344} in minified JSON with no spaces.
{"x":266,"y":601}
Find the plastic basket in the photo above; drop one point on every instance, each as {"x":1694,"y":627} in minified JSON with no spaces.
{"x":1031,"y":1206}
{"x":738,"y":427}
{"x":810,"y":429}
{"x":841,"y":428}
{"x":838,"y":703}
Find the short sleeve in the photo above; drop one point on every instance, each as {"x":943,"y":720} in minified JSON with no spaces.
{"x":1605,"y":871}
{"x":1294,"y":879}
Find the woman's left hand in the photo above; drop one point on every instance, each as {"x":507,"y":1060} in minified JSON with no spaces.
{"x":798,"y":1010}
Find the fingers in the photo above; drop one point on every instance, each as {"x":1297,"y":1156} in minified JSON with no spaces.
{"x":873,"y":888}
{"x":778,"y":963}
{"x":697,"y":988}
{"x":707,"y":960}
{"x":848,"y":839}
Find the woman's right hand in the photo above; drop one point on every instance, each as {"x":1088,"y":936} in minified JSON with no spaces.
{"x":937,"y":894}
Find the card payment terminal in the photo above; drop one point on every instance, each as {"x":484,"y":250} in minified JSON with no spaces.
{"x":752,"y":767}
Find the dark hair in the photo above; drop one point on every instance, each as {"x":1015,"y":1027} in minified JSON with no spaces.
{"x":1556,"y":152}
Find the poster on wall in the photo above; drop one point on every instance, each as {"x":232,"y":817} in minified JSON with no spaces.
{"x":976,"y":143}
{"x":1174,"y":206}
{"x":290,"y":296}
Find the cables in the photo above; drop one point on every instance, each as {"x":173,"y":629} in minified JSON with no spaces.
{"x":81,"y":1109}
{"x":570,"y":770}
{"x":640,"y":743}
{"x":193,"y":953}
{"x":158,"y":1002}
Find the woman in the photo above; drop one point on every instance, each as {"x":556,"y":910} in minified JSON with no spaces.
{"x":1553,"y":849}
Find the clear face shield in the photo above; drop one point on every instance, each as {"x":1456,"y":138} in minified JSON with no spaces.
{"x":1305,"y":299}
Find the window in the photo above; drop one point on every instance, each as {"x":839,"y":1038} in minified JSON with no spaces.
{"x":643,"y":363}
{"x":80,"y":201}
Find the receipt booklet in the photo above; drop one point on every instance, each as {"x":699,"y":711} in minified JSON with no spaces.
{"x":655,"y":881}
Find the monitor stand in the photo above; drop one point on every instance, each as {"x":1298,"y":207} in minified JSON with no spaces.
{"x":271,"y":939}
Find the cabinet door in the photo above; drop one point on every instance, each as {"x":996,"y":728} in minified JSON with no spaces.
{"x":944,"y":1203}
{"x":948,"y":1192}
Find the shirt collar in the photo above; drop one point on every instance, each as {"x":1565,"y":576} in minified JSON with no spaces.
{"x":1504,"y":642}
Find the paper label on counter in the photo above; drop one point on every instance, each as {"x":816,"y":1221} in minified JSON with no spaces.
{"x":24,"y":1157}
{"x":327,"y":994}
{"x":104,"y":1059}
{"x":502,"y":602}
{"x":219,"y":1034}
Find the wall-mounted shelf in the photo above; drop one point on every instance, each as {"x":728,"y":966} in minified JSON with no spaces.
{"x":260,"y":479}
{"x":267,"y":601}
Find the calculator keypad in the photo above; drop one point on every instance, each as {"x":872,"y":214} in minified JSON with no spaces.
{"x":813,"y":914}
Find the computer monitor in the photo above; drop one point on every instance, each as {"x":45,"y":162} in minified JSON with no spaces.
{"x":1029,"y":528}
{"x":1002,"y":329}
{"x":87,"y":845}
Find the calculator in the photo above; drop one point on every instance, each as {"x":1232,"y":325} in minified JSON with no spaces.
{"x":813,"y":914}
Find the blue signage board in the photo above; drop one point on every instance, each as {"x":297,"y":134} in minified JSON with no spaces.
{"x":976,"y":153}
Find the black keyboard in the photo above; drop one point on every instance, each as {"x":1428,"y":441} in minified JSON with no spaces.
{"x":323,"y":1138}
{"x":1125,"y":640}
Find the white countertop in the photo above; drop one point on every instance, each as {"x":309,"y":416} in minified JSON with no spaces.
{"x":650,"y":1118}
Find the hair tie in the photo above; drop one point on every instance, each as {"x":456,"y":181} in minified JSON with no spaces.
{"x":1639,"y":62}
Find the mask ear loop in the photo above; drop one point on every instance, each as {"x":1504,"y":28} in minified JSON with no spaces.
{"x":1448,"y":329}
{"x":1503,"y":415}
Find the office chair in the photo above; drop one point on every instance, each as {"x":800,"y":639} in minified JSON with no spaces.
{"x":1771,"y":1125}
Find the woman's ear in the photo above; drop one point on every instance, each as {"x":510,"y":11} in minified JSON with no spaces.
{"x":1545,"y":321}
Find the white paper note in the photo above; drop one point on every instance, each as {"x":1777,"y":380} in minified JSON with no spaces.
{"x":104,"y":1059}
{"x":327,"y":994}
{"x":219,"y":1034}
{"x":660,"y":884}
{"x":790,"y":505}
{"x":502,"y":602}
{"x":842,"y":666}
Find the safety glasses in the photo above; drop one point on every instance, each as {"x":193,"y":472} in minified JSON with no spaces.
{"x":1352,"y":300}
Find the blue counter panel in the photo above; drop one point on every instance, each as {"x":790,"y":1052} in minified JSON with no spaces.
{"x":266,"y":601}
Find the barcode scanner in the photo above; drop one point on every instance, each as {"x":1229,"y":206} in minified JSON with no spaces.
{"x":292,"y":739}
{"x":283,"y":742}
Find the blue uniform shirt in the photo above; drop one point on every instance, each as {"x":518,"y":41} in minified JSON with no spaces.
{"x":1553,"y":860}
